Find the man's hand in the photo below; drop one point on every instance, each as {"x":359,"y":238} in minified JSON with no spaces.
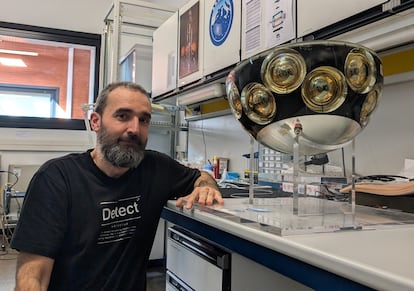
{"x":205,"y":193}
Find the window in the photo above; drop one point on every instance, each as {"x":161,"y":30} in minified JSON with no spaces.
{"x":46,"y":75}
{"x":29,"y":101}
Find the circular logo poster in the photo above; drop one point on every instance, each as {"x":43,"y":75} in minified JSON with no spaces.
{"x":221,"y":19}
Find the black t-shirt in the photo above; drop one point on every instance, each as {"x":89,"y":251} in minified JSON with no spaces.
{"x":99,"y":230}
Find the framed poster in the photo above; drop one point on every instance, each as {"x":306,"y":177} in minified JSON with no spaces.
{"x":189,"y":41}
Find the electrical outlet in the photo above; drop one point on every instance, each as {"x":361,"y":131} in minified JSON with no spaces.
{"x":17,"y":172}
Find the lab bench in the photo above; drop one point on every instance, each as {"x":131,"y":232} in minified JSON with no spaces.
{"x":374,"y":259}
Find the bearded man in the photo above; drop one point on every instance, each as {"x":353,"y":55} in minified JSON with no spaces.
{"x":89,"y":219}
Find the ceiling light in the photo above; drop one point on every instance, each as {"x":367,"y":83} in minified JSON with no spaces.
{"x":12,"y":62}
{"x":22,"y":53}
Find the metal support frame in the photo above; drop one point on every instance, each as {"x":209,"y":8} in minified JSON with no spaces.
{"x":111,"y":38}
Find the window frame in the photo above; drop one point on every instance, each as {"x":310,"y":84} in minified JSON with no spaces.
{"x":55,"y":35}
{"x":53,"y":92}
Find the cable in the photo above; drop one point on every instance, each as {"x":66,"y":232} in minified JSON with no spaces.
{"x":332,"y":194}
{"x":382,"y":179}
{"x":5,"y":241}
{"x":343,"y":160}
{"x":4,"y":218}
{"x":261,"y":193}
{"x":85,"y":109}
{"x":224,"y":184}
{"x":204,"y":138}
{"x":14,"y":174}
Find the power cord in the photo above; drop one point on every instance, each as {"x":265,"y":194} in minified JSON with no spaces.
{"x":4,"y":230}
{"x":14,"y":174}
{"x":4,"y":211}
{"x":204,"y":138}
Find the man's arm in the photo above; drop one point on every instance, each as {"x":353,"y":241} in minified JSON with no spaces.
{"x":33,"y":272}
{"x":205,"y":192}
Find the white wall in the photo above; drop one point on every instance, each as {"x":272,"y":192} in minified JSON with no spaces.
{"x":222,"y":137}
{"x":389,"y":137}
{"x":35,"y":146}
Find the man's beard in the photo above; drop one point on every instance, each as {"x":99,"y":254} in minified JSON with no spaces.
{"x":125,"y":156}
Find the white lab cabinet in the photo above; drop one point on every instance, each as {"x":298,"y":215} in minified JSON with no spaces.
{"x":136,"y":66}
{"x":164,"y":62}
{"x":157,"y":251}
{"x":266,"y":24}
{"x":190,"y":42}
{"x":313,"y":15}
{"x":222,"y":28}
{"x":248,"y":275}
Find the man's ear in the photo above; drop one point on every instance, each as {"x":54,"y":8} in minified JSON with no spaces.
{"x":95,"y":121}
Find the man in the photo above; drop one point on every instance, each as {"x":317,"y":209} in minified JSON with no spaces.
{"x":89,"y":220}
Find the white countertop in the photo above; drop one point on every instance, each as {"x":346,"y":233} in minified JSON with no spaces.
{"x":382,"y":259}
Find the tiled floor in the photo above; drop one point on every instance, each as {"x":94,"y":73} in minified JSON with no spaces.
{"x":156,"y":279}
{"x":156,"y":275}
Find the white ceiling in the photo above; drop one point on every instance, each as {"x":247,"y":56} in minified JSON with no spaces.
{"x":171,"y":3}
{"x":76,"y":15}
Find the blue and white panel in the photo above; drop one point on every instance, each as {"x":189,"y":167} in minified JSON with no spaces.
{"x":222,"y":21}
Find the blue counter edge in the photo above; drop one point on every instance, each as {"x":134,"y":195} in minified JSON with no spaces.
{"x":297,"y":270}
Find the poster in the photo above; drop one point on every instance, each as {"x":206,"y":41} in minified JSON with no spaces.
{"x":279,"y":22}
{"x":189,"y":41}
{"x":266,"y":24}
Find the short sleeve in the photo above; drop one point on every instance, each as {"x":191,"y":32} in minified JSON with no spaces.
{"x":43,"y":218}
